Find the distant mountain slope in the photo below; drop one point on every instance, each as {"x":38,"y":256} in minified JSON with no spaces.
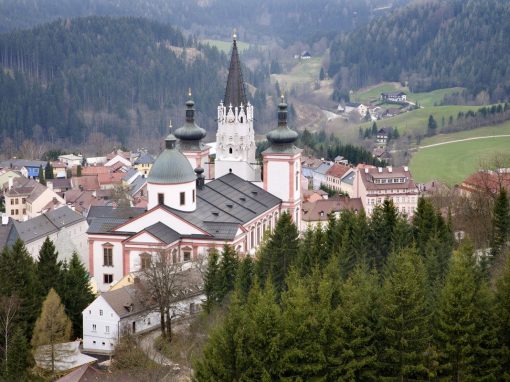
{"x":121,"y":77}
{"x":256,"y":20}
{"x":431,"y":44}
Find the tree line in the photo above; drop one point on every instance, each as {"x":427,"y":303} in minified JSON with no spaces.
{"x":364,"y":299}
{"x":119,"y":77}
{"x":24,"y":323}
{"x":429,"y":45}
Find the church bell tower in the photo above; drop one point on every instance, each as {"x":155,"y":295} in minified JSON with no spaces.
{"x":235,"y":150}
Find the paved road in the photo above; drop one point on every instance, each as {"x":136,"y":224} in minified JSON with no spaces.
{"x":463,"y":140}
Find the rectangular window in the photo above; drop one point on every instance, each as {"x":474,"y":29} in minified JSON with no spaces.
{"x":12,"y":202}
{"x":108,"y":256}
{"x":24,"y":200}
{"x":145,"y":261}
{"x":94,"y":327}
{"x":193,"y":196}
{"x":161,"y":199}
{"x":107,"y":278}
{"x":24,"y":211}
{"x":107,"y":329}
{"x":100,"y":312}
{"x":187,"y":255}
{"x":182,"y":198}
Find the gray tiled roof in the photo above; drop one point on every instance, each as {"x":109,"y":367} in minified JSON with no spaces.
{"x":137,"y":184}
{"x":145,"y":159}
{"x":129,"y":174}
{"x":44,"y":225}
{"x":19,"y":163}
{"x":222,"y":206}
{"x":163,"y":232}
{"x":323,"y":168}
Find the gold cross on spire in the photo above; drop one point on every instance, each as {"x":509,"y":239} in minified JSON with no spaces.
{"x":189,"y":92}
{"x":234,"y":34}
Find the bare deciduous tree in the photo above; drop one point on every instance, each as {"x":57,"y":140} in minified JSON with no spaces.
{"x":8,"y":309}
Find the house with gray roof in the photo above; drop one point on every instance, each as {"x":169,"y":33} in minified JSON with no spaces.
{"x":65,"y":227}
{"x":319,"y":175}
{"x":127,"y":309}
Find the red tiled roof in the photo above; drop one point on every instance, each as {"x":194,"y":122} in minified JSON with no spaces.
{"x":87,"y":183}
{"x":487,"y":181}
{"x":113,"y":178}
{"x":319,"y":210}
{"x":370,"y":175}
{"x":338,"y":170}
{"x":95,"y":170}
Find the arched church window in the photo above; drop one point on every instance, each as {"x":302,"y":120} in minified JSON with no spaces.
{"x":230,"y":150}
{"x":241,"y":119}
{"x":297,"y":180}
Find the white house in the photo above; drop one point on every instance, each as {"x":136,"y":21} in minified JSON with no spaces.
{"x":71,"y":160}
{"x":396,"y":97}
{"x":126,"y":309}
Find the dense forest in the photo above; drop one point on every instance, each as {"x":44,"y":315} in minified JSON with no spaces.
{"x":122,"y":77}
{"x":377,"y":298}
{"x":430,"y":45}
{"x":256,"y":21}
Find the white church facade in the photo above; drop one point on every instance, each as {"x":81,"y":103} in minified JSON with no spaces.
{"x":191,"y":212}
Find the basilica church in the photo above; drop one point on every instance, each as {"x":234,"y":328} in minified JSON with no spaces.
{"x":195,"y":204}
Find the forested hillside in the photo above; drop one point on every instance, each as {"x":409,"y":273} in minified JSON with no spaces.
{"x":122,"y":77}
{"x":431,"y":45}
{"x":255,"y":20}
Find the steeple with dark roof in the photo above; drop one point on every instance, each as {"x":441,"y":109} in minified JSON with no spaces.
{"x":235,"y":93}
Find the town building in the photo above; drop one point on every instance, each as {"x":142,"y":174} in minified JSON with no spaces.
{"x":127,"y":309}
{"x":71,"y":160}
{"x":334,"y":176}
{"x":375,"y":184}
{"x":489,"y":182}
{"x":318,"y":212}
{"x":27,"y":198}
{"x":381,"y":139}
{"x":28,"y":168}
{"x":65,"y":227}
{"x":144,"y":163}
{"x":187,"y":216}
{"x":319,"y":175}
{"x":395,"y":97}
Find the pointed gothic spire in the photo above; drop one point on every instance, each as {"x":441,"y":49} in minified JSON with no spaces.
{"x":235,"y":93}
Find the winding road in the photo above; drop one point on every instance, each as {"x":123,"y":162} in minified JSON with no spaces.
{"x":463,"y":140}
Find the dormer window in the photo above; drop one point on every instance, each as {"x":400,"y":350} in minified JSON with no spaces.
{"x":182,"y":198}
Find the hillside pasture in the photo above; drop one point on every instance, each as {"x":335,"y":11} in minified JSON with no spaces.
{"x":226,"y":46}
{"x":453,"y":162}
{"x":304,"y":73}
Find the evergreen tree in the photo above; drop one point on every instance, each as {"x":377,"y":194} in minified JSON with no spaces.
{"x":458,"y":327}
{"x":19,"y":277}
{"x":51,"y":328}
{"x":322,"y":75}
{"x":354,"y":353}
{"x":211,"y":280}
{"x":244,"y":277}
{"x":17,"y":358}
{"x":42,"y":179}
{"x":424,"y":222}
{"x":76,"y":293}
{"x":432,"y":125}
{"x":48,"y":171}
{"x":49,"y":268}
{"x":502,"y":306}
{"x":404,"y":318}
{"x":302,"y":355}
{"x":279,"y":253}
{"x":500,"y":224}
{"x":227,"y":271}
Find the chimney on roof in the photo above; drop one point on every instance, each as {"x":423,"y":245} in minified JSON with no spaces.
{"x":406,"y":169}
{"x":5,"y":219}
{"x":390,"y":169}
{"x":11,"y":182}
{"x":366,"y":170}
{"x":379,"y":169}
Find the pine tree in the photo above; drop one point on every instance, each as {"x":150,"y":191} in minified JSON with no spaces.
{"x":51,"y":328}
{"x":500,"y":224}
{"x":19,"y":277}
{"x":76,"y":292}
{"x":42,"y":179}
{"x":404,"y":318}
{"x":354,"y":352}
{"x":302,"y":354}
{"x":211,"y":280}
{"x":456,"y":327}
{"x":227,"y":271}
{"x":502,"y":307}
{"x":17,"y":358}
{"x":244,"y":278}
{"x":48,"y":171}
{"x":279,"y":253}
{"x":49,"y":269}
{"x":432,"y":125}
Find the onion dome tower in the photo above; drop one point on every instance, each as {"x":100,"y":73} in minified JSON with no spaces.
{"x":235,"y":150}
{"x":282,"y":165}
{"x":171,"y":180}
{"x":190,"y":137}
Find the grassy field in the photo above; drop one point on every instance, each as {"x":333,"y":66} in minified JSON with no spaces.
{"x":501,"y":129}
{"x":451,"y":163}
{"x":428,"y":99}
{"x":226,"y":46}
{"x":416,"y":121}
{"x":305,"y":72}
